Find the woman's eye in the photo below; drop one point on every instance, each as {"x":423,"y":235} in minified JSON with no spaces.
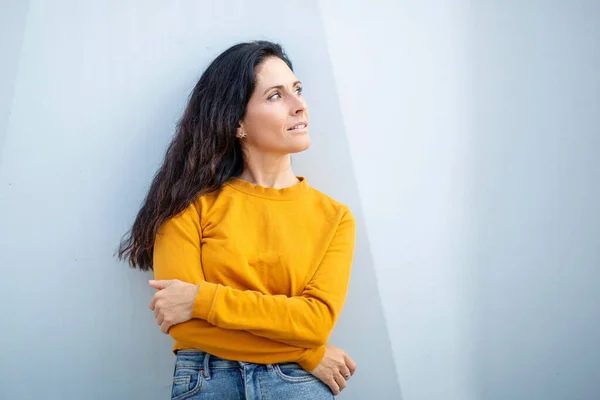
{"x":276,"y":95}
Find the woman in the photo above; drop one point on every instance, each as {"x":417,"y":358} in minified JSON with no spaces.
{"x":251,"y":263}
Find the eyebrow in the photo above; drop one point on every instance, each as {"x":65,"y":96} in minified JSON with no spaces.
{"x":281,"y":87}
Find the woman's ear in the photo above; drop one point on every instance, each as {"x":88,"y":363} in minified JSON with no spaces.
{"x":240,"y":133}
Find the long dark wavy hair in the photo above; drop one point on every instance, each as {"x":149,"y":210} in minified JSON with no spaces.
{"x":205,"y":152}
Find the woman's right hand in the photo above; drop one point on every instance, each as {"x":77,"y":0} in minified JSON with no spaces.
{"x":335,"y":368}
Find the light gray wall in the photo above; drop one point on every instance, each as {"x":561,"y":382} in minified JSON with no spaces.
{"x":474,"y":130}
{"x":463,"y":135}
{"x":536,"y":199}
{"x":95,"y":98}
{"x":401,"y":69}
{"x":12,"y":28}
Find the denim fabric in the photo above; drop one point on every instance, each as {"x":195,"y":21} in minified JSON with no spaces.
{"x":199,"y":375}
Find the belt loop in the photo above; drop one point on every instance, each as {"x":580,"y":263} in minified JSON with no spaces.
{"x":269,"y":367}
{"x":206,"y":366}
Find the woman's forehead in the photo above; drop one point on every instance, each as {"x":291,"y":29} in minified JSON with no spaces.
{"x":274,"y":71}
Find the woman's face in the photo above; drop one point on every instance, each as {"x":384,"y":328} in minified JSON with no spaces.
{"x":275,"y":111}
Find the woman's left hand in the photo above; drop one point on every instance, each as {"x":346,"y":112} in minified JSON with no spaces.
{"x":173,"y":302}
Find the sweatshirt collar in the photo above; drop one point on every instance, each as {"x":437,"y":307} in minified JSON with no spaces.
{"x":287,"y":193}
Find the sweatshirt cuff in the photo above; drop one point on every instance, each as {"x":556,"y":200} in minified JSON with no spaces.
{"x":312,"y":358}
{"x":204,"y":300}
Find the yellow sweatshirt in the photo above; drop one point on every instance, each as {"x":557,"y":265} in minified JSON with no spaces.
{"x":272,"y":266}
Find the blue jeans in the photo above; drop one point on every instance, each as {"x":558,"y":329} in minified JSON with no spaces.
{"x":199,"y":375}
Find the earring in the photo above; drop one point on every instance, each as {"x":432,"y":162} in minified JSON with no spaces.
{"x":242,"y":135}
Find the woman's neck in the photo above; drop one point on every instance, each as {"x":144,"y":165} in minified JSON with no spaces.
{"x":274,"y":172}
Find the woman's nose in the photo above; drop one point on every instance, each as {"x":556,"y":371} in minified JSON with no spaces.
{"x":299,"y":105}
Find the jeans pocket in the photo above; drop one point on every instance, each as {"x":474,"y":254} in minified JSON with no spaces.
{"x":292,"y":372}
{"x":187,"y":381}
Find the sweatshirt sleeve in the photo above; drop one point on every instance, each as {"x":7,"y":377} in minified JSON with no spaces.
{"x":177,"y":256}
{"x":306,"y":320}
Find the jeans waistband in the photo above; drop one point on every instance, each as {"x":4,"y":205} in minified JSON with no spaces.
{"x":209,"y":362}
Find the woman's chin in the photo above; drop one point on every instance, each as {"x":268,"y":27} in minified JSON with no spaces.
{"x":300,"y":143}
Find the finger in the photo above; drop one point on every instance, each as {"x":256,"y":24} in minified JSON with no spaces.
{"x":160,"y":319}
{"x":164,"y":327}
{"x":333,"y":385}
{"x":350,"y":364}
{"x":340,"y":380}
{"x":159,"y":284}
{"x":156,"y":312}
{"x":345,"y":372}
{"x":153,"y":301}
